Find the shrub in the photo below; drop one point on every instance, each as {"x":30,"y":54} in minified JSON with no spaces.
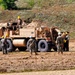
{"x":7,"y":4}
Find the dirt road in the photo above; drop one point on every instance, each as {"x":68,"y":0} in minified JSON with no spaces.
{"x":65,"y":72}
{"x":23,"y":61}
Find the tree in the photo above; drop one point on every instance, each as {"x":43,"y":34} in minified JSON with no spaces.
{"x":8,"y":4}
{"x":3,"y":4}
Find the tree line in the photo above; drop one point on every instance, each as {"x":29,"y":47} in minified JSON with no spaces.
{"x":7,"y":4}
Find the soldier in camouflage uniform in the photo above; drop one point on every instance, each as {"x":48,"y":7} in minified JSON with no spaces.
{"x":60,"y":43}
{"x":32,"y":46}
{"x":19,"y":22}
{"x":66,"y":42}
{"x":4,"y":45}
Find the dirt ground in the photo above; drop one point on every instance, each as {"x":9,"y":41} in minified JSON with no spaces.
{"x":61,"y":72}
{"x":23,"y":61}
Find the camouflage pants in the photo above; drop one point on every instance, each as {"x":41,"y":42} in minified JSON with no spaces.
{"x":4,"y":50}
{"x":32,"y":48}
{"x":60,"y":48}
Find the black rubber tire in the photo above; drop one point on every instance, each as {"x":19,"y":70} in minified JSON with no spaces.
{"x":42,"y":46}
{"x":10,"y":46}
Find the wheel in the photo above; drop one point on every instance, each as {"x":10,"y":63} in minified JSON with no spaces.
{"x":9,"y":45}
{"x":42,"y":46}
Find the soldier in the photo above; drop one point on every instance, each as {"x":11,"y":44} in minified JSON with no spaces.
{"x":60,"y":43}
{"x":4,"y":44}
{"x":32,"y":46}
{"x":24,"y":23}
{"x":19,"y":22}
{"x":66,"y":42}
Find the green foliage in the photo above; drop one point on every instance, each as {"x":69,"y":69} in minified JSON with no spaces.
{"x":2,"y":4}
{"x":7,"y":4}
{"x":70,"y":1}
{"x":30,"y":3}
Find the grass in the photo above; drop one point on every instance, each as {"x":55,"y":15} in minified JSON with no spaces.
{"x":60,"y":13}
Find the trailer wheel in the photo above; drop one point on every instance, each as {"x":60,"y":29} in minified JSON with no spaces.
{"x":42,"y":46}
{"x":9,"y":45}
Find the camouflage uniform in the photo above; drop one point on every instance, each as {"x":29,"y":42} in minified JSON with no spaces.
{"x":66,"y":43}
{"x":4,"y":46}
{"x":60,"y":43}
{"x":32,"y":46}
{"x":19,"y":23}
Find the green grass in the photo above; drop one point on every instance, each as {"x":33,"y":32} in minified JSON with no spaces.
{"x":60,"y":13}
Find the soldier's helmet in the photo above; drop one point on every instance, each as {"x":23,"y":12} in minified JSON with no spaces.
{"x":59,"y":33}
{"x":18,"y":17}
{"x":30,"y":37}
{"x":66,"y":33}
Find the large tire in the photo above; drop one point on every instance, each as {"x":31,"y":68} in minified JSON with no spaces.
{"x":9,"y":45}
{"x":42,"y":46}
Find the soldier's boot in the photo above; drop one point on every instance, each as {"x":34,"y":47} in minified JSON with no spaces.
{"x":31,"y":51}
{"x":3,"y":52}
{"x":6,"y":52}
{"x":35,"y":52}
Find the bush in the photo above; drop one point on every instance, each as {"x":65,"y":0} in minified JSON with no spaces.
{"x":7,"y":4}
{"x":30,"y":3}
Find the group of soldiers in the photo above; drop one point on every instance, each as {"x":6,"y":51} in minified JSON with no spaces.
{"x":62,"y":42}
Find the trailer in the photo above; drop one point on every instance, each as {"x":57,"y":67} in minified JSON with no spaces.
{"x":19,"y":37}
